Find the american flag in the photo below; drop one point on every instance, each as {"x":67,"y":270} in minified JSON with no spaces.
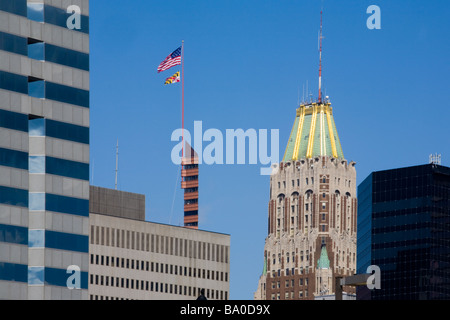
{"x":172,"y":59}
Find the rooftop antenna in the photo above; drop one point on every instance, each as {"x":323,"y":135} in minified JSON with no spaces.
{"x":307,"y":92}
{"x":117,"y":160}
{"x":320,"y":58}
{"x":435,"y":159}
{"x":303,"y":93}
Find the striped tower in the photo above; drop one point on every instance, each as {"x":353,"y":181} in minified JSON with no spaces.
{"x":189,"y":182}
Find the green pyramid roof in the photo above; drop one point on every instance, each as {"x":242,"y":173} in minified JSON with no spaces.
{"x":323,"y":262}
{"x":313,"y":134}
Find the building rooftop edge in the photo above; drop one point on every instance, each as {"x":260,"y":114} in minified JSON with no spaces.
{"x":160,"y":223}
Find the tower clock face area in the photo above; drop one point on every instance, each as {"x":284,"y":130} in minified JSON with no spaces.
{"x":312,"y":213}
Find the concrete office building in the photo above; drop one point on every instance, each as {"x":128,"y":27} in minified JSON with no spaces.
{"x":44,"y":149}
{"x":134,"y":259}
{"x":403,"y":228}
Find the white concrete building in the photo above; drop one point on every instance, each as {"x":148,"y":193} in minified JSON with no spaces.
{"x":134,"y":259}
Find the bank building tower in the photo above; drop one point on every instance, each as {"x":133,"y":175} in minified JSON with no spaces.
{"x":312,"y":211}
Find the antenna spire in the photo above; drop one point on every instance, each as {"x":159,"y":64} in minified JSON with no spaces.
{"x":320,"y":59}
{"x":117,"y":160}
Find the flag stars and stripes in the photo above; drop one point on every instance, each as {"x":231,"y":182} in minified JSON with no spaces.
{"x":172,"y":60}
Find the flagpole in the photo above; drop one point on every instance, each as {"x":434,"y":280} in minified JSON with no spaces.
{"x":182,"y":97}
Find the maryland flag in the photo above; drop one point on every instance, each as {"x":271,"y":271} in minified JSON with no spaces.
{"x":173,"y":79}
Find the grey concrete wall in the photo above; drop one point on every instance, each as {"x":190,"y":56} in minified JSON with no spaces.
{"x":117,"y":203}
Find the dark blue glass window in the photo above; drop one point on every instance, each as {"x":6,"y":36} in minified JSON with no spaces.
{"x":18,"y":7}
{"x":58,"y":277}
{"x":13,"y":82}
{"x":67,"y":205}
{"x":13,"y":120}
{"x":36,"y":275}
{"x":36,"y":51}
{"x":67,"y":57}
{"x":58,"y":92}
{"x":13,"y":272}
{"x":36,"y":238}
{"x":14,"y":159}
{"x":36,"y":127}
{"x":67,"y":168}
{"x":67,"y":131}
{"x":13,"y":43}
{"x":35,"y":11}
{"x":13,"y":234}
{"x":36,"y":89}
{"x":58,"y":17}
{"x":13,"y":196}
{"x":66,"y":241}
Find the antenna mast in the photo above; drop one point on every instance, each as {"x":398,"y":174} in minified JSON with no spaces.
{"x":117,"y":160}
{"x":320,"y":59}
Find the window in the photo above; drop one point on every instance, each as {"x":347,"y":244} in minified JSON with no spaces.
{"x":36,"y":87}
{"x":35,"y":11}
{"x":36,"y":201}
{"x":36,"y":164}
{"x":36,"y":238}
{"x":36,"y":49}
{"x":323,"y":216}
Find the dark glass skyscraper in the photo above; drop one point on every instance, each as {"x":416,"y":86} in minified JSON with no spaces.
{"x":404,"y":228}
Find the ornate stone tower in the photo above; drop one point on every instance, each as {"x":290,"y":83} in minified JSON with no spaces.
{"x":312,"y":213}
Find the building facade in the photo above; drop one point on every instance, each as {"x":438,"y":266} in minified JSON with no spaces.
{"x":403,"y":228}
{"x":44,"y":149}
{"x":312,"y":213}
{"x":134,"y":259}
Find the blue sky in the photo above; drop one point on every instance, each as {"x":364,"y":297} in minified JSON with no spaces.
{"x":245,"y":63}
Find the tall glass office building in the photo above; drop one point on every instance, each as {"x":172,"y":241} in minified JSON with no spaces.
{"x":404,"y":228}
{"x":44,"y":149}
